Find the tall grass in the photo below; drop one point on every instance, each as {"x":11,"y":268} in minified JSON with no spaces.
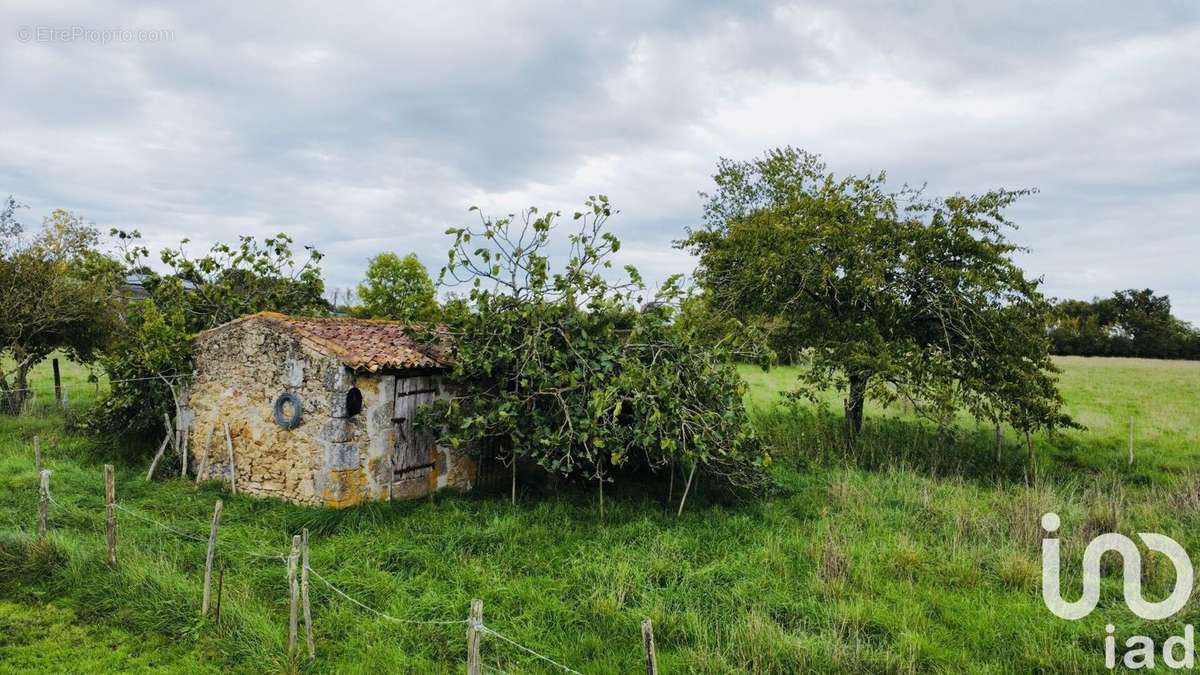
{"x":913,"y":552}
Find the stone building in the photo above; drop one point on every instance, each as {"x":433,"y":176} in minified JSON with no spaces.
{"x":320,"y":411}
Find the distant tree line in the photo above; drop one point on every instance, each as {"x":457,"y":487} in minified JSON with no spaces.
{"x":1134,"y":323}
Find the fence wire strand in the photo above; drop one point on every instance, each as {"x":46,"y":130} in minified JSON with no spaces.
{"x":527,"y":650}
{"x":265,"y":556}
{"x":92,"y":519}
{"x":378,"y":613}
{"x":128,"y":379}
{"x":193,"y":537}
{"x":162,"y":525}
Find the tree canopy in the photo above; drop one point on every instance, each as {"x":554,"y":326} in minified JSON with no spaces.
{"x":398,"y":288}
{"x":57,"y":292}
{"x":1132,"y":322}
{"x":885,"y":293}
{"x":153,"y":349}
{"x":562,"y":367}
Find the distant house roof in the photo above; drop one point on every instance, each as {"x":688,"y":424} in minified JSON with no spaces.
{"x":360,"y":344}
{"x":139,"y":281}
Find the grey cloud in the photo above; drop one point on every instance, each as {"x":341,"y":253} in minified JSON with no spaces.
{"x":373,"y":128}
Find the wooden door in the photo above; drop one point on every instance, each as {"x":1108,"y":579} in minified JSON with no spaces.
{"x":413,"y":451}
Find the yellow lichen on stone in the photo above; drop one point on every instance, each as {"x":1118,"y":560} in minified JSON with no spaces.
{"x":345,"y":488}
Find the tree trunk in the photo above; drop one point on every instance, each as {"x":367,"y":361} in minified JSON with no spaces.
{"x":12,"y":399}
{"x":855,"y":404}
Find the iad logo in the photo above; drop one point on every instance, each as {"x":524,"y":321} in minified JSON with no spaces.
{"x":1132,"y":559}
{"x":1141,"y":653}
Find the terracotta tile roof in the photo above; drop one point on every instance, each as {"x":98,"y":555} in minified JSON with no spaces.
{"x":361,"y":344}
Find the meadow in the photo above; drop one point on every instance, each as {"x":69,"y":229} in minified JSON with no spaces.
{"x":917,"y":552}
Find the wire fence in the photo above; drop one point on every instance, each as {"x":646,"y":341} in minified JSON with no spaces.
{"x":157,"y":378}
{"x":83,"y":513}
{"x":47,"y":398}
{"x":472,"y":623}
{"x":527,"y":650}
{"x":382,"y":615}
{"x":168,"y":528}
{"x":27,"y":402}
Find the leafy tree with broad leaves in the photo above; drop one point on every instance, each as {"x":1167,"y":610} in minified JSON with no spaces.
{"x":56,"y":290}
{"x":398,"y":288}
{"x":884,"y":294}
{"x":567,"y":370}
{"x":231,"y":281}
{"x":153,"y":351}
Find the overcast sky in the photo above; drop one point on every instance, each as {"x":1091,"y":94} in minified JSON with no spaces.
{"x":373,"y":129}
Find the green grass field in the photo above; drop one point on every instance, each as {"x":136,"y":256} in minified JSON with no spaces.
{"x":919,"y":552}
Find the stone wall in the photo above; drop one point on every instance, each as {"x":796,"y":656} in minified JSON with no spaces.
{"x":331,"y":458}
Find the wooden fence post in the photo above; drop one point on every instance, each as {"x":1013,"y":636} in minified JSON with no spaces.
{"x":474,"y":621}
{"x":43,"y":503}
{"x":648,"y":647}
{"x":185,"y":432}
{"x":202,"y":469}
{"x":110,"y":514}
{"x":208,"y":561}
{"x":294,"y":596}
{"x":157,"y":456}
{"x":232,"y":468}
{"x":58,"y":397}
{"x":171,"y":433}
{"x":308,"y":627}
{"x":686,"y":488}
{"x":37,"y":454}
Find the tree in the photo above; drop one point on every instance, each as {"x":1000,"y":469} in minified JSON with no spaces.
{"x":398,"y":288}
{"x":1128,"y":323}
{"x":153,"y":350}
{"x":1076,"y":329}
{"x":1145,"y":318}
{"x":231,"y":281}
{"x":885,"y":294}
{"x":702,"y":322}
{"x":57,"y":293}
{"x":565,"y":369}
{"x":10,"y":227}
